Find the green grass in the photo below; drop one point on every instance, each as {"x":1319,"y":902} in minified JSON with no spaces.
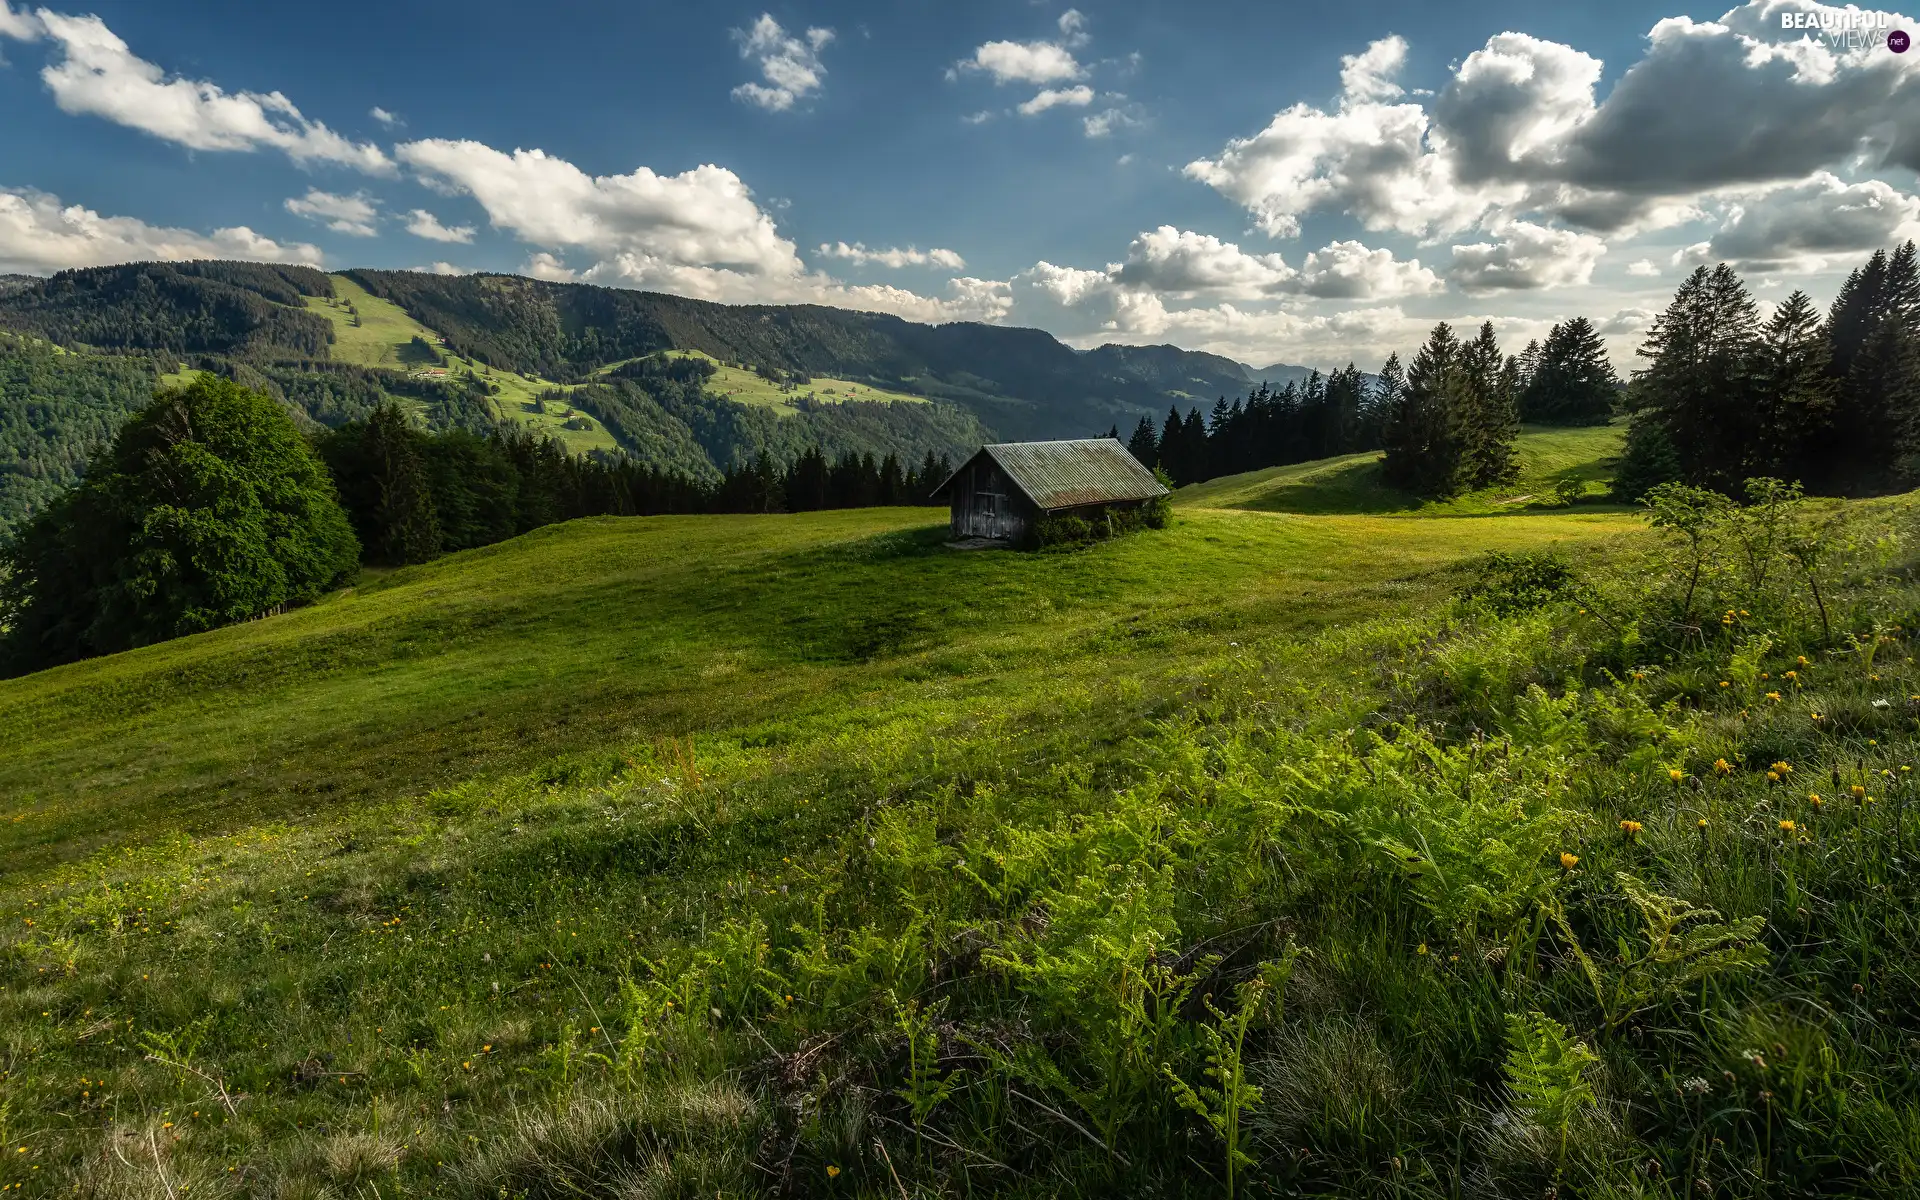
{"x":746,"y":387}
{"x":390,"y":895}
{"x":1353,"y":484}
{"x":384,"y":336}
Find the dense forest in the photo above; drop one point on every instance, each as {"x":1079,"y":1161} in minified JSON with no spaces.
{"x":1447,"y":423}
{"x":56,"y":410}
{"x":1833,"y":403}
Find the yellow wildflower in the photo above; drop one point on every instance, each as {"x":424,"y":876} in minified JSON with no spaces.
{"x":1676,"y":774}
{"x":1786,"y":827}
{"x":1723,"y":766}
{"x":1568,"y":861}
{"x":1630,"y":828}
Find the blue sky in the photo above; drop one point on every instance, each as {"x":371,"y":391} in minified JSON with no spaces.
{"x":1259,"y":179}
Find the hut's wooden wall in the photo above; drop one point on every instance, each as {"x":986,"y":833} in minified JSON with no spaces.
{"x":983,"y":503}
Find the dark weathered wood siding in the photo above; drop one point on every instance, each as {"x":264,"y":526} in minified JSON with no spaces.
{"x":984,"y":503}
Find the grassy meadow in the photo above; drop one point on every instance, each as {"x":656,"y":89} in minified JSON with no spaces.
{"x":746,"y":387}
{"x":385,"y":338}
{"x":1276,"y":853}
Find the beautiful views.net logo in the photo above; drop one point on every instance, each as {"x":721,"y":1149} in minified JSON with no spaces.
{"x":1850,"y":29}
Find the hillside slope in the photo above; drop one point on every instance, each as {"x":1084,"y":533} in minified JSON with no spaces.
{"x":800,"y":855}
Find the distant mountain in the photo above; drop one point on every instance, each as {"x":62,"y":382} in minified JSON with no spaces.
{"x":264,"y":325}
{"x":1022,"y":383}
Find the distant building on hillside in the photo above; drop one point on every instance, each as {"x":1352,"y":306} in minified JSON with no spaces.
{"x":1000,"y":492}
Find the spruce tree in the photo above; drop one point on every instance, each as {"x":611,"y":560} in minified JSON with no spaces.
{"x":1144,"y":445}
{"x":1793,"y":392}
{"x":1422,"y":450}
{"x":404,"y":527}
{"x":1485,"y":417}
{"x":1698,"y":385}
{"x":1569,"y":380}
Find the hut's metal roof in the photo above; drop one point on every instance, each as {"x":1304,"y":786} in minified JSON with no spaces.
{"x":1057,"y":475}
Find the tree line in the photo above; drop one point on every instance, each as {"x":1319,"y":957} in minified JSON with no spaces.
{"x":210,"y":506}
{"x":1832,"y":402}
{"x":1447,"y":423}
{"x":412,"y":494}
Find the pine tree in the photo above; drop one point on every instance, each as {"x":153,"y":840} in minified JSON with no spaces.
{"x":1485,"y":418}
{"x":1423,"y":455}
{"x":1569,"y":380}
{"x":403,"y":527}
{"x":1144,"y":445}
{"x":1793,"y":392}
{"x":1698,"y":384}
{"x":1173,"y":447}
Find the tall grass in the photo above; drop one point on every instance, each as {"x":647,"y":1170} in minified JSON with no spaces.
{"x":1600,"y":886}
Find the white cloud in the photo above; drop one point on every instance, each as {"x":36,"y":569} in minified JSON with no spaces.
{"x":542,"y":265}
{"x":98,"y":75}
{"x":1519,"y":131}
{"x":1372,"y":74}
{"x":1804,"y":225}
{"x":22,"y":25}
{"x":1366,"y":158}
{"x":657,"y":225}
{"x":1350,"y":271}
{"x":790,"y":65}
{"x":1078,"y":96}
{"x":354,"y":215}
{"x":1024,"y":62}
{"x":1176,"y":262}
{"x":1643,"y":269}
{"x":39,"y":235}
{"x":1526,"y":257}
{"x":384,"y":117}
{"x":977,"y":118}
{"x":423,"y":224}
{"x":1073,"y":27}
{"x":860,"y":255}
{"x":1627,"y":320}
{"x":1102,"y":123}
{"x":442,"y":268}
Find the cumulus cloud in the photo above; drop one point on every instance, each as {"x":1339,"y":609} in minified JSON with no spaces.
{"x":860,"y":255}
{"x":1078,"y":97}
{"x":1526,"y":257}
{"x":661,"y":229}
{"x":423,"y":224}
{"x":442,"y":268}
{"x":98,"y":75}
{"x":1627,"y":320}
{"x":1351,"y":271}
{"x":790,"y":65}
{"x":1374,"y":73}
{"x":1644,"y":268}
{"x":1180,"y":264}
{"x":39,"y":235}
{"x":353,"y":215}
{"x":1808,"y":223}
{"x":22,"y":25}
{"x":1024,"y":62}
{"x":1073,"y":27}
{"x":385,"y":118}
{"x":1519,"y":130}
{"x":1365,"y":157}
{"x":1100,"y":124}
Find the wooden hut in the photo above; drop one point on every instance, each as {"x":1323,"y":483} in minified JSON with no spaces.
{"x":998,"y":494}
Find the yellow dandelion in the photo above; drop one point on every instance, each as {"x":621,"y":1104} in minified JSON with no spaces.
{"x":832,"y":1172}
{"x":1773,"y":777}
{"x":1816,"y":801}
{"x":1774,"y":696}
{"x":1422,"y":949}
{"x":1568,"y":861}
{"x":1786,"y":827}
{"x":1723,"y":766}
{"x":1630,"y":828}
{"x":1726,"y":683}
{"x":1785,"y":768}
{"x":1676,"y":774}
{"x":1701,"y":824}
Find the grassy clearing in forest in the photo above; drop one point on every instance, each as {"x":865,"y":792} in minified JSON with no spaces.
{"x":746,"y":387}
{"x":1352,"y":484}
{"x":760,"y":855}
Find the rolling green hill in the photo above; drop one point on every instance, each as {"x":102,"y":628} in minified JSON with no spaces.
{"x":747,"y":855}
{"x":1352,"y":484}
